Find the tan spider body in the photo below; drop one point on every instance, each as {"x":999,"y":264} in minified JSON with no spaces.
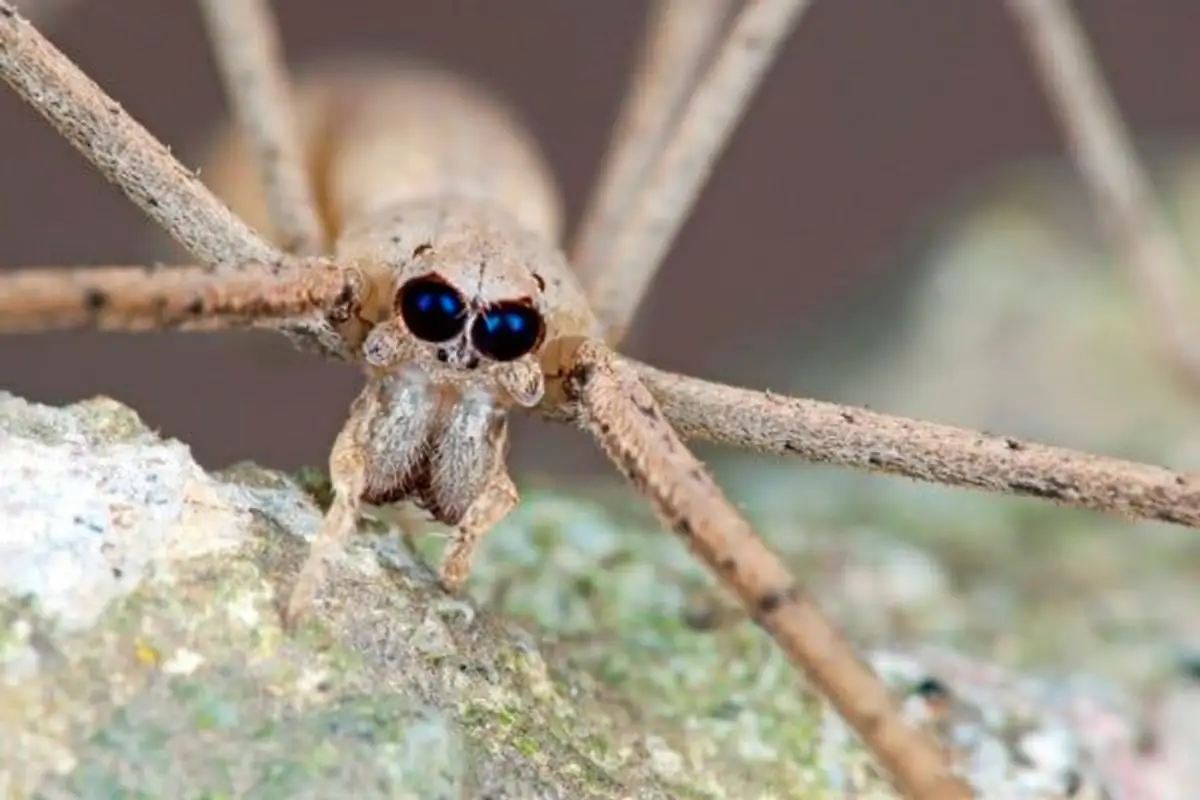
{"x":417,"y":231}
{"x":459,"y":192}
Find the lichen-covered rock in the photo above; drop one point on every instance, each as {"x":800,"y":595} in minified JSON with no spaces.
{"x":141,"y":652}
{"x":640,"y":613}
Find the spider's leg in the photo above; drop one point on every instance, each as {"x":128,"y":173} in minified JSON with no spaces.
{"x":765,"y":422}
{"x":144,"y":169}
{"x":1104,"y":153}
{"x":678,"y":39}
{"x":688,"y":153}
{"x":192,"y":297}
{"x":244,"y":37}
{"x":614,"y":405}
{"x":122,"y":149}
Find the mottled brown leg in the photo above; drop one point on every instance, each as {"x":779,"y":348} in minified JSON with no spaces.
{"x":765,"y":422}
{"x":348,"y":479}
{"x":631,"y":428}
{"x":498,"y":498}
{"x":687,"y":154}
{"x":123,"y":150}
{"x":244,"y":38}
{"x":679,"y":36}
{"x":133,"y":298}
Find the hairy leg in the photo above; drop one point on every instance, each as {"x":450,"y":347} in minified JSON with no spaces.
{"x":189,"y":297}
{"x":124,"y":151}
{"x":244,"y":36}
{"x":765,"y":422}
{"x":245,"y":42}
{"x":632,"y":429}
{"x":678,"y":39}
{"x":677,"y":174}
{"x":144,"y":169}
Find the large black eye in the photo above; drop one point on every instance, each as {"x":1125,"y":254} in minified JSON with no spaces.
{"x":432,"y":309}
{"x":507,"y":331}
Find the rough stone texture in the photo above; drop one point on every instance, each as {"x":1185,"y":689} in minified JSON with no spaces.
{"x":141,"y":653}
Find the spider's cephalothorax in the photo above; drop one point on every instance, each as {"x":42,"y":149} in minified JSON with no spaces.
{"x":461,"y":320}
{"x":452,"y":217}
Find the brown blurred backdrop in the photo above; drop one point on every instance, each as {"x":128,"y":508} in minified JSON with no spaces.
{"x":875,"y":114}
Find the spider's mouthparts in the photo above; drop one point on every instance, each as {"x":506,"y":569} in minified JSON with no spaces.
{"x":459,"y":356}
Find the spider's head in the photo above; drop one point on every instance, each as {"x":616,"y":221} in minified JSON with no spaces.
{"x":469,"y":311}
{"x":467,"y":330}
{"x":467,"y":295}
{"x":476,"y":322}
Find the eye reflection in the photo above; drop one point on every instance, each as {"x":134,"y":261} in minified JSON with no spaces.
{"x":507,"y":331}
{"x":433,"y":310}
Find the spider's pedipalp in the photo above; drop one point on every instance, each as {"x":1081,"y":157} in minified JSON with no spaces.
{"x":685,"y":159}
{"x":412,"y":436}
{"x":121,"y":149}
{"x":633,"y":431}
{"x":817,"y":431}
{"x":499,"y":496}
{"x":348,"y":481}
{"x":679,"y":35}
{"x":189,"y":297}
{"x":244,"y":38}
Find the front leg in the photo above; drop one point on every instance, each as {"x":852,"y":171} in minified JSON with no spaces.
{"x":499,"y":496}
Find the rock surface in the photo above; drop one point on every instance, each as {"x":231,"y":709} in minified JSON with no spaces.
{"x":140,"y":649}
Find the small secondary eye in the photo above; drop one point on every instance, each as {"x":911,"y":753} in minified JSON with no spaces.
{"x":432,"y":309}
{"x":507,"y":331}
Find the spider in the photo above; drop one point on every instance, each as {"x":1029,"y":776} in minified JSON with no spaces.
{"x":414,"y":230}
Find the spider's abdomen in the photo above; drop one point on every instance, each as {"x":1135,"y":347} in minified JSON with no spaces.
{"x":431,"y":444}
{"x":381,"y":132}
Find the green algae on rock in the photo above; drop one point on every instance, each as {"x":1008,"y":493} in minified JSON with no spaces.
{"x":595,"y":657}
{"x":142,"y":652}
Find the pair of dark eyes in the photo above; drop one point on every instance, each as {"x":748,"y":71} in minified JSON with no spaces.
{"x":435,"y":312}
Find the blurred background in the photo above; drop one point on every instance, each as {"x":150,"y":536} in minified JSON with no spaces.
{"x":880,"y":128}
